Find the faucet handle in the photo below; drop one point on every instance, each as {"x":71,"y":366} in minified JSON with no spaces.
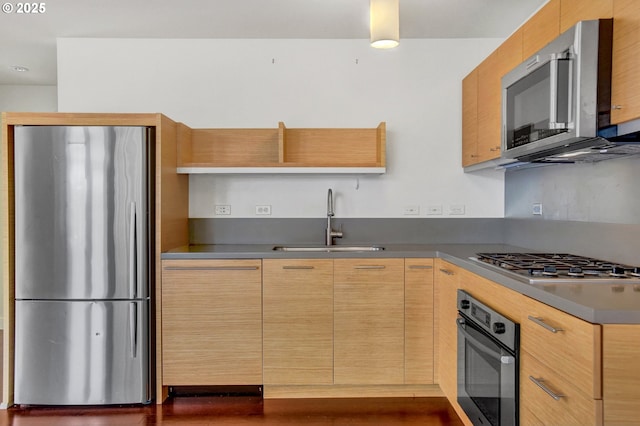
{"x":337,"y":234}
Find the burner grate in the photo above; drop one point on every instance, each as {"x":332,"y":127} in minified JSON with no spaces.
{"x":553,"y":265}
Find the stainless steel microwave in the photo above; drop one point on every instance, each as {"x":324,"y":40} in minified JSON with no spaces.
{"x":556,"y":105}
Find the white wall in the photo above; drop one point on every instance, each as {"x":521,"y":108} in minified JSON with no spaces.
{"x":28,"y":98}
{"x":415,"y":88}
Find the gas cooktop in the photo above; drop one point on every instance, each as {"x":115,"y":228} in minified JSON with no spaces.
{"x":559,"y":267}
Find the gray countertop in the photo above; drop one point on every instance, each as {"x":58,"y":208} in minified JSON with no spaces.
{"x":596,"y":303}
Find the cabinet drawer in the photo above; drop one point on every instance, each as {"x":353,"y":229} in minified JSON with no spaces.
{"x":538,"y":405}
{"x":571,"y":346}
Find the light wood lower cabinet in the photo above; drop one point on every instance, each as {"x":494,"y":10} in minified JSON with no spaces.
{"x":621,"y":373}
{"x":211,"y":322}
{"x":564,"y":343}
{"x":418,"y":321}
{"x":298,"y":321}
{"x":369,"y":321}
{"x":548,"y":398}
{"x":447,"y":282}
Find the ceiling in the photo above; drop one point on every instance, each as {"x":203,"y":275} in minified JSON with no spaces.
{"x":29,"y":40}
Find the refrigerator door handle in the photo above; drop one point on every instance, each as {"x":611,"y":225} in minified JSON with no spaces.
{"x":133,"y":254}
{"x":133,"y":328}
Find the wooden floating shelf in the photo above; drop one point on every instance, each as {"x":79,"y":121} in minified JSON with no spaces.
{"x":282,"y":150}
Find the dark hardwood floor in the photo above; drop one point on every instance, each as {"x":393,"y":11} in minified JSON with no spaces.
{"x":243,"y":411}
{"x":246,"y":410}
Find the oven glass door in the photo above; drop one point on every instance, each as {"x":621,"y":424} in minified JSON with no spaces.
{"x":539,"y":105}
{"x":487,"y":380}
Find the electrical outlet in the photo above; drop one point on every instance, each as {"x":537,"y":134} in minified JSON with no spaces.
{"x":456,"y":209}
{"x":434,"y":210}
{"x":411,"y":210}
{"x":263,"y":210}
{"x":222,"y":209}
{"x":537,"y":209}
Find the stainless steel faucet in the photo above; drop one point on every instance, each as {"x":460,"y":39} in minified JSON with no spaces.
{"x":330,"y":233}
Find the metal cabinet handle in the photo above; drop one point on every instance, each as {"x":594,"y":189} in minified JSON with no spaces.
{"x":541,"y":385}
{"x":133,"y":329}
{"x":420,"y":267}
{"x":211,"y":268}
{"x":133,"y":252}
{"x":616,"y":106}
{"x":298,"y":267}
{"x":543,"y":324}
{"x":446,"y":271}
{"x":370,"y":267}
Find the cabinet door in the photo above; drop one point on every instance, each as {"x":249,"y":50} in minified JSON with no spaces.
{"x":470,"y":119}
{"x":298,"y":321}
{"x":418,"y":321}
{"x":541,"y":28}
{"x":212,"y":322}
{"x":625,"y":81}
{"x":621,"y":373}
{"x":489,"y":107}
{"x":573,"y":11}
{"x":507,"y":56}
{"x":447,"y":278}
{"x":369,"y":321}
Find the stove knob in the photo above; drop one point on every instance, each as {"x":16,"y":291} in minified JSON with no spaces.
{"x":499,"y":328}
{"x":464,"y":304}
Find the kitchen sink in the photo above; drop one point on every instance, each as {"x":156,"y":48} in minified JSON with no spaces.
{"x":328,"y":248}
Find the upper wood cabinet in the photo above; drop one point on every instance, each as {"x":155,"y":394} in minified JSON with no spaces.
{"x":625,"y":85}
{"x":573,"y":11}
{"x":470,"y":119}
{"x":482,"y":110}
{"x":282,"y":150}
{"x":488,"y":102}
{"x":541,"y":28}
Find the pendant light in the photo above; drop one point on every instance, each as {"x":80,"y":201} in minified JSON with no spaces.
{"x":385,"y":23}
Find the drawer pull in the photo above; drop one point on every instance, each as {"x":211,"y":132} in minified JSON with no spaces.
{"x":420,"y":267}
{"x":543,"y":324}
{"x":541,"y":385}
{"x":211,"y":268}
{"x":370,"y":267}
{"x":297,"y":267}
{"x":446,"y":271}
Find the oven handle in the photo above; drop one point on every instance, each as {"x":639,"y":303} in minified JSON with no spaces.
{"x":487,"y":350}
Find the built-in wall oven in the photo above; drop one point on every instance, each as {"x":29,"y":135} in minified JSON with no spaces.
{"x":488,"y":365}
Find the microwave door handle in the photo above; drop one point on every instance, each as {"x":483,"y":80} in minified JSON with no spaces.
{"x":553,"y":94}
{"x":484,"y":348}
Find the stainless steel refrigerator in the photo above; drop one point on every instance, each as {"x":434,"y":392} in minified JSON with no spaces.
{"x":82,"y":264}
